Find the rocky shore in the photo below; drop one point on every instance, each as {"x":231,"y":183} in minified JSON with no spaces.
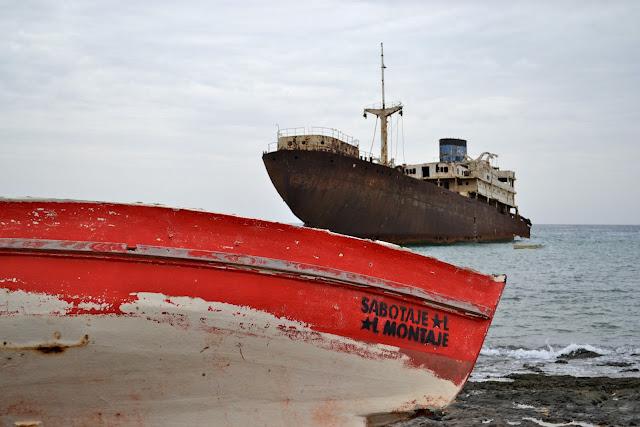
{"x":540,"y":400}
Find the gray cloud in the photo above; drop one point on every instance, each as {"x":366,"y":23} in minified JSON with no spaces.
{"x":169,"y":103}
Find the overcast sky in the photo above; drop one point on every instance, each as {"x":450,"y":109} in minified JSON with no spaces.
{"x":174,"y":102}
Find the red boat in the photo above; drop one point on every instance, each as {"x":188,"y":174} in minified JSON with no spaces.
{"x":116,"y":314}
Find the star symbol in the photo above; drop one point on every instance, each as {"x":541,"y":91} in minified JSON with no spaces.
{"x":436,"y":321}
{"x":366,"y":324}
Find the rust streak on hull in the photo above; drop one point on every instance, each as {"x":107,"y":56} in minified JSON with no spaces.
{"x":54,"y":346}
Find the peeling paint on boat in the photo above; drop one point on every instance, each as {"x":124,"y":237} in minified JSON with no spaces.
{"x":177,"y":355}
{"x":236,"y":320}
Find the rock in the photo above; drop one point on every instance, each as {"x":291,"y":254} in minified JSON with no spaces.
{"x":557,"y":399}
{"x":616,"y":364}
{"x":533,"y":368}
{"x":581,"y":353}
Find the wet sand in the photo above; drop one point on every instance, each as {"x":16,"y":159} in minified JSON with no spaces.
{"x":538,"y":399}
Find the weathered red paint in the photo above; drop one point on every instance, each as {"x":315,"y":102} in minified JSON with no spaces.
{"x":240,"y":262}
{"x":101,"y":266}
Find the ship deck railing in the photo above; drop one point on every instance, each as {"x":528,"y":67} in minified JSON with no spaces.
{"x":272,"y":146}
{"x":316,"y":130}
{"x":378,"y":105}
{"x":370,"y":157}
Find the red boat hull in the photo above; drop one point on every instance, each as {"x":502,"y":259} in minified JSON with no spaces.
{"x":131,"y":314}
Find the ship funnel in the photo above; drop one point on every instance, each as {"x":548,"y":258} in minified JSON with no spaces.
{"x":452,"y":150}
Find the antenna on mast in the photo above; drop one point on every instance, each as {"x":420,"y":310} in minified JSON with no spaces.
{"x":382,"y":67}
{"x":383,"y":113}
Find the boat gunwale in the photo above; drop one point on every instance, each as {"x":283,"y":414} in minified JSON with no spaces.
{"x":226,"y":260}
{"x":501,"y":278}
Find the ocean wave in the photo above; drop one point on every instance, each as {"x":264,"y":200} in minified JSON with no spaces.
{"x":634,"y":351}
{"x":548,"y":424}
{"x":548,"y":353}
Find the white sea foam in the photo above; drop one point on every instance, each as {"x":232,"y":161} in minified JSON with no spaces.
{"x":628,"y":350}
{"x":573,"y":347}
{"x":523,"y":406}
{"x":490,"y":352}
{"x":547,"y":424}
{"x":476,"y":379}
{"x":540,"y":354}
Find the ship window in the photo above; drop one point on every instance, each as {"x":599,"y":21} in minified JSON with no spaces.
{"x":425,"y":171}
{"x":446,"y":168}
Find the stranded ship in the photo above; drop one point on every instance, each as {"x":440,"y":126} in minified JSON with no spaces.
{"x":327,"y":182}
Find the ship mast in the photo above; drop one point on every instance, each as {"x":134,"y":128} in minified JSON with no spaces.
{"x":383,"y":113}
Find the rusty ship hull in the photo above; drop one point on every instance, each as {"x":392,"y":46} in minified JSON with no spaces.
{"x":364,"y":199}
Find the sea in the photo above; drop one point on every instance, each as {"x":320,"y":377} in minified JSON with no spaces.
{"x":571,"y":305}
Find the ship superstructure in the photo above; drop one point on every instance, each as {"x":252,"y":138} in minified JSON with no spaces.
{"x":475,"y":178}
